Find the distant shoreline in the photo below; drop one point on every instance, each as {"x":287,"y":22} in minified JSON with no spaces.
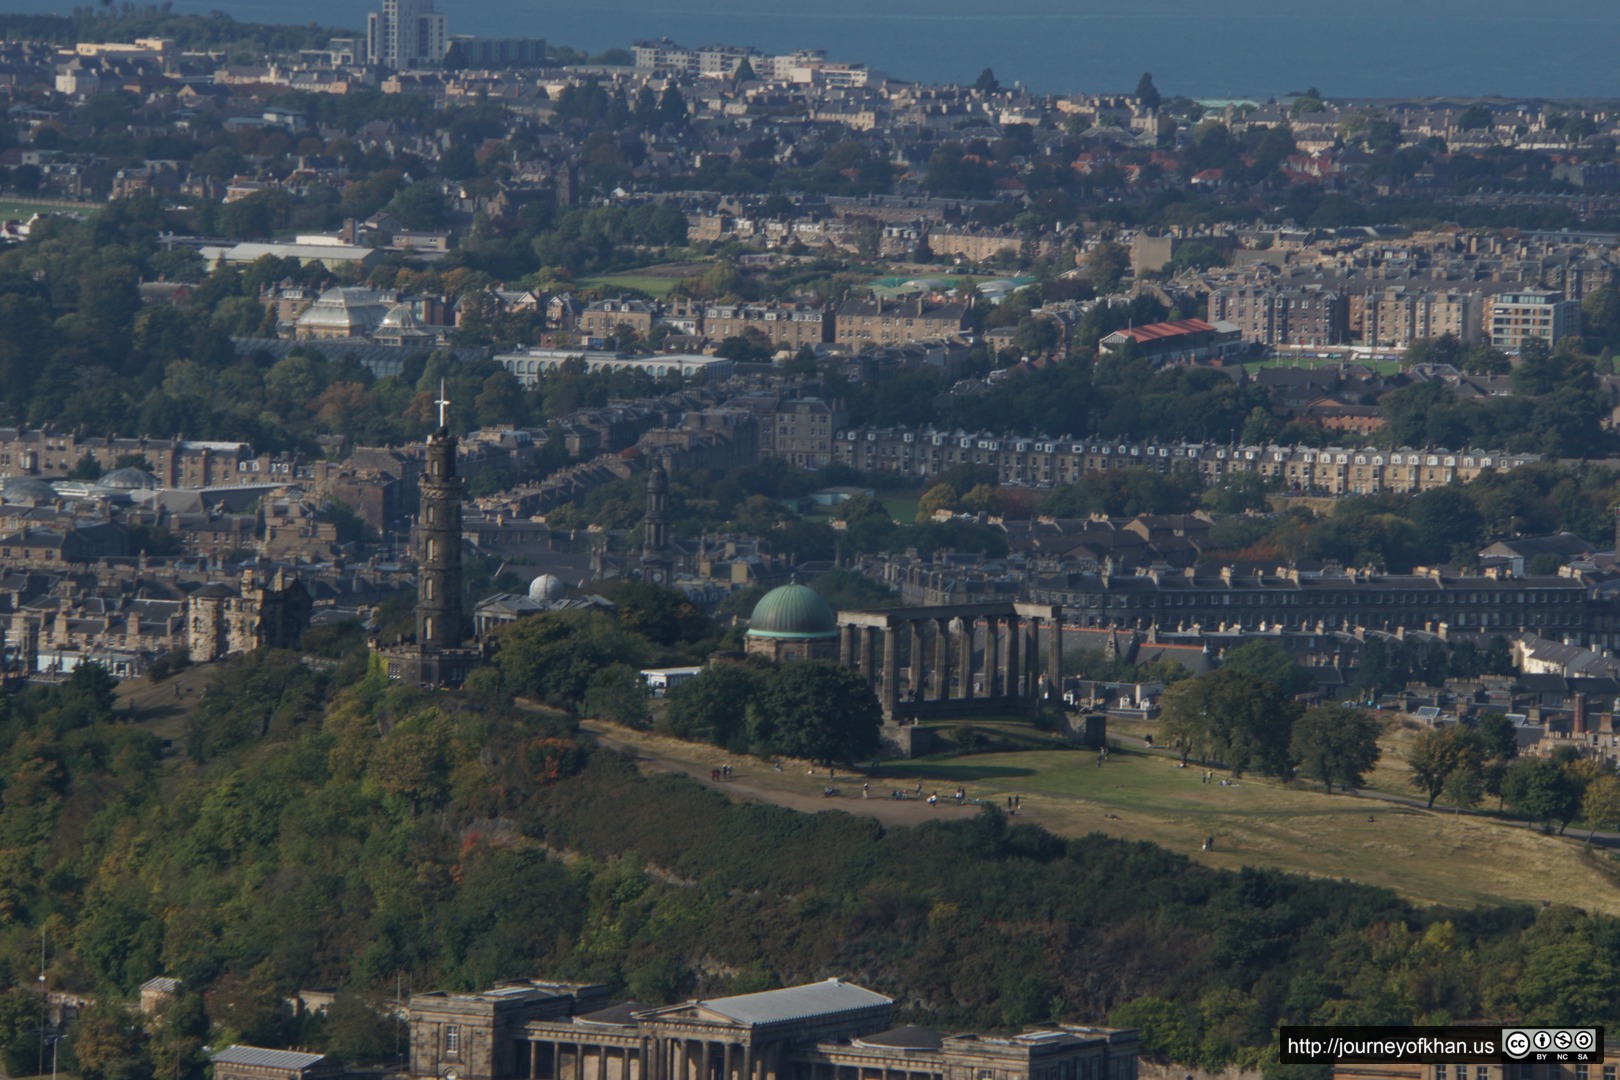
{"x":1381,"y":51}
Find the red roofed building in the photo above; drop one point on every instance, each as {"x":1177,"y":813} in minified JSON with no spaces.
{"x":1185,"y":341}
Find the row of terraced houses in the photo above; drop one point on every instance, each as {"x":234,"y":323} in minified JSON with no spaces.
{"x":1043,"y":462}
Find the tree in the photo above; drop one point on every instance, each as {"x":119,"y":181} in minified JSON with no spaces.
{"x":19,"y":1031}
{"x":986,"y":83}
{"x":1438,"y":752}
{"x":1147,"y":93}
{"x":108,"y":1044}
{"x":1105,"y":266}
{"x":86,"y":468}
{"x":1544,"y":790}
{"x":617,"y":694}
{"x":939,"y":497}
{"x":177,"y":1043}
{"x":817,"y":710}
{"x":1475,"y":118}
{"x":714,"y":704}
{"x":360,"y":1030}
{"x":1496,"y":735}
{"x":1335,"y":743}
{"x":1600,"y":806}
{"x":1233,"y":718}
{"x":1270,"y":662}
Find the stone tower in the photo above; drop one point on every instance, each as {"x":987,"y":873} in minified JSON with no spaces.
{"x":439,"y":656}
{"x":655,"y":561}
{"x":438,"y":588}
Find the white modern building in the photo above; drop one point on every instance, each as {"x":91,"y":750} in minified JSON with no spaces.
{"x":531,"y":364}
{"x":406,"y":34}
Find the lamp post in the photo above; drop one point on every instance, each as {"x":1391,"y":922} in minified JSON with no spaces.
{"x":56,"y":1044}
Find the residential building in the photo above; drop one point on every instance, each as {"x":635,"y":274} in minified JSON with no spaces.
{"x":604,"y":317}
{"x":1325,"y":601}
{"x":1043,"y":461}
{"x":789,"y":325}
{"x":406,"y":34}
{"x":894,"y":322}
{"x":800,"y":430}
{"x":1515,"y":317}
{"x":1308,"y":315}
{"x":1397,"y":315}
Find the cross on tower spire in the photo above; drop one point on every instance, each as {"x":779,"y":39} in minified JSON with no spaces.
{"x":442,"y":403}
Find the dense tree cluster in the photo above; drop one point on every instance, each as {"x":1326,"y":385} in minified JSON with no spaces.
{"x":809,"y":709}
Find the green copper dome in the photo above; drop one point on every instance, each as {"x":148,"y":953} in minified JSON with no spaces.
{"x":793,"y":611}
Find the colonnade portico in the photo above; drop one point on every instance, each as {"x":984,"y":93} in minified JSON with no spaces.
{"x":590,"y":1051}
{"x":1012,"y":670}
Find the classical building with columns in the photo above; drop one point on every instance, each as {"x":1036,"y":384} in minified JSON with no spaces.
{"x":959,"y":658}
{"x":830,"y":1030}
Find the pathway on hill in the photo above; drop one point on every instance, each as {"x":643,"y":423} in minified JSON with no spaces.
{"x":1380,"y":839}
{"x":799,"y":786}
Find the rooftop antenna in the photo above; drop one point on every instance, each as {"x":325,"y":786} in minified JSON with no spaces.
{"x":442,"y":403}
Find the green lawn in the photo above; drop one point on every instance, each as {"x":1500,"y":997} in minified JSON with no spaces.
{"x":903,"y":508}
{"x":13,"y":209}
{"x":652,"y":286}
{"x":1383,"y":367}
{"x":1432,"y":857}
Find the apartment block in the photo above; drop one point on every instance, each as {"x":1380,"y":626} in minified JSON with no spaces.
{"x":1516,"y":317}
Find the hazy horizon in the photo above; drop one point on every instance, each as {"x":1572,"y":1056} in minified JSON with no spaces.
{"x":1243,"y":48}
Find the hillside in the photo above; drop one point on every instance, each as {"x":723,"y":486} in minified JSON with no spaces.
{"x":312,"y":835}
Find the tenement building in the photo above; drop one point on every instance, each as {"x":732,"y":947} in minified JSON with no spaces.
{"x":1555,"y":607}
{"x":830,"y":1030}
{"x":1040,"y":461}
{"x":789,"y":325}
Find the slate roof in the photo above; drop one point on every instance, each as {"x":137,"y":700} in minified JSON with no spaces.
{"x":291,"y":1060}
{"x":795,"y":1003}
{"x":910,"y":1037}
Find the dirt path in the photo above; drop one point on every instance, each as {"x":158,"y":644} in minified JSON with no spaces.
{"x":794,"y":787}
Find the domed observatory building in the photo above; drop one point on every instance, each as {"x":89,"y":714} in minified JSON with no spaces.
{"x":792,"y":622}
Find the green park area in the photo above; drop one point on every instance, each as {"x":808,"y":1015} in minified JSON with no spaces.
{"x":1430,"y":857}
{"x":649,"y":284}
{"x":1383,"y":367}
{"x":22,"y":210}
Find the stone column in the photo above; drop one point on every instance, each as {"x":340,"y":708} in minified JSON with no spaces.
{"x":846,"y":645}
{"x":534,"y":1061}
{"x":725,"y":1062}
{"x":965,"y":674}
{"x":747,"y":1064}
{"x":942,"y":660}
{"x":579,"y":1061}
{"x":556,"y":1061}
{"x":704,"y":1062}
{"x":868,"y":655}
{"x":1054,"y":656}
{"x":891,"y":672}
{"x":916,"y":673}
{"x":1015,"y":673}
{"x":992,"y":656}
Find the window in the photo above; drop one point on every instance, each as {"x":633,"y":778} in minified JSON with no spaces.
{"x":452,"y":1038}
